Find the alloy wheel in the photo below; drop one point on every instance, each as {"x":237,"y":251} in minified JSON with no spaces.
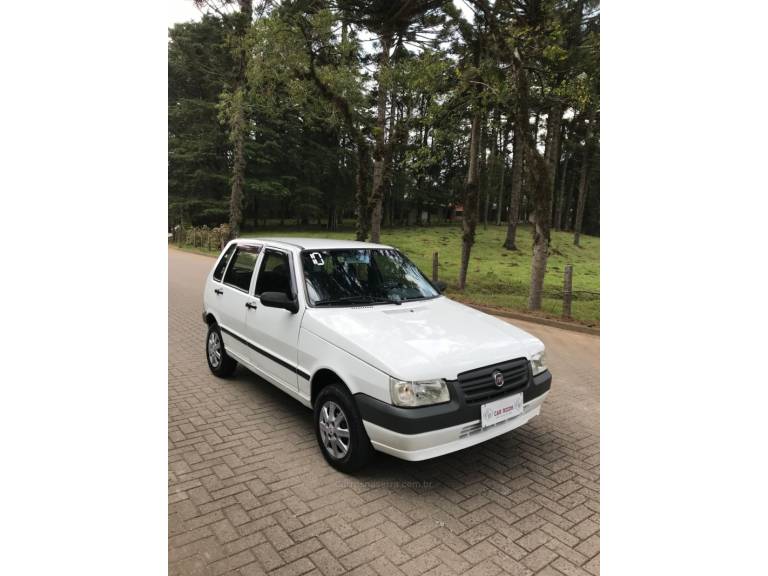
{"x":214,"y":349}
{"x":334,"y":430}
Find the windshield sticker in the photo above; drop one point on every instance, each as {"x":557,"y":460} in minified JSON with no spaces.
{"x":317,"y":259}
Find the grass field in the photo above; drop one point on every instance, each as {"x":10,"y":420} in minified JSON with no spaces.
{"x":497,"y":277}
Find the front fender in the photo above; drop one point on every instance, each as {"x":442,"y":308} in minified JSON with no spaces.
{"x":316,"y":353}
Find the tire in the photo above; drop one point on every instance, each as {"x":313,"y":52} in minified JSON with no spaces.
{"x":218,"y":361}
{"x":345,"y":454}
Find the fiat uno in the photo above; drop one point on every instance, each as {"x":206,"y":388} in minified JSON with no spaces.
{"x":358,"y":334}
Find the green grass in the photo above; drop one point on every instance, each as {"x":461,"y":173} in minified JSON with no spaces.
{"x":497,"y":277}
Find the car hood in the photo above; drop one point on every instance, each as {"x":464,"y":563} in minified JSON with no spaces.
{"x":419,"y":340}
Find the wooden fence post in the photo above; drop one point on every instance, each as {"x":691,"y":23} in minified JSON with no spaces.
{"x":435,"y":265}
{"x":567,"y":290}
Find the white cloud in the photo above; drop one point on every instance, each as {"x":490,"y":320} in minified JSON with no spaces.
{"x":181,"y":11}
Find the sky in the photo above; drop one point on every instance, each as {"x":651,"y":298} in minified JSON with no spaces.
{"x":184,"y":11}
{"x":181,"y":11}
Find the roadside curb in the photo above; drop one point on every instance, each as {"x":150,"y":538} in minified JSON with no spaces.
{"x":573,"y":327}
{"x":535,"y":319}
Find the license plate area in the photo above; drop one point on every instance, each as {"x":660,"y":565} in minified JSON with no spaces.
{"x":501,"y":410}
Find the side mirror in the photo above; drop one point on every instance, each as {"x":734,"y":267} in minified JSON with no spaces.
{"x":279,"y":300}
{"x":441,"y":286}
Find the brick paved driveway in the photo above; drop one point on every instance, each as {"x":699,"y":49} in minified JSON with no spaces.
{"x":249,"y":492}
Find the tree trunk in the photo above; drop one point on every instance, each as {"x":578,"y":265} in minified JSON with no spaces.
{"x":570,"y":193}
{"x":542,"y":198}
{"x":483,"y":168}
{"x":389,"y":164}
{"x":361,"y":195}
{"x":237,"y":136}
{"x":559,"y":173}
{"x":521,"y":143}
{"x":552,"y":150}
{"x":518,"y":145}
{"x":379,"y":154}
{"x":560,"y":204}
{"x":471,"y":196}
{"x":504,"y":141}
{"x":581,"y":202}
{"x":583,"y":180}
{"x":237,"y":122}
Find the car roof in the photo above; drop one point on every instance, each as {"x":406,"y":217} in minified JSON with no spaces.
{"x":315,"y":243}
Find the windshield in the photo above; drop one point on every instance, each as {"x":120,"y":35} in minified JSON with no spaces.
{"x":348,"y":277}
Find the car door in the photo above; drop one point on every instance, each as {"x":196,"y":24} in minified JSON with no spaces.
{"x":275,"y":331}
{"x":234,"y":297}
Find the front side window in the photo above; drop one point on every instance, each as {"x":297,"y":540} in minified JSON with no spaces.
{"x":240,"y":271}
{"x":368,"y":276}
{"x":275,"y":274}
{"x":221,"y":266}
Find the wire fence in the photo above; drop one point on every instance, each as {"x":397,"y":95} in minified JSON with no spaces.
{"x":577,"y":294}
{"x":555,"y":301}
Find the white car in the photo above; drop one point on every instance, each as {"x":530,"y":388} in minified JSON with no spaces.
{"x":356,"y":332}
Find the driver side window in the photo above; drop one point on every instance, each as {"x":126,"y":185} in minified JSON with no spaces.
{"x":274,"y":274}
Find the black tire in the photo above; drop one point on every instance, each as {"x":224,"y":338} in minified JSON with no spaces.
{"x":226,"y":365}
{"x":358,"y":448}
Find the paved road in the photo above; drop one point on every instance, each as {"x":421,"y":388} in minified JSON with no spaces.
{"x":249,"y":492}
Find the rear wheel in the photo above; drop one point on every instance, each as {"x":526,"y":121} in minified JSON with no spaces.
{"x":218,"y":360}
{"x":340,"y":431}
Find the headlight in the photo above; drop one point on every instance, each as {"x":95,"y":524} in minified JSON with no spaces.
{"x":538,"y":363}
{"x":421,"y":393}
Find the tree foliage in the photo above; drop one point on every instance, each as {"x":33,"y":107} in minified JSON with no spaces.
{"x":363,"y":109}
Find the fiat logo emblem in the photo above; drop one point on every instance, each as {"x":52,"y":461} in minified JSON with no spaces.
{"x":498,"y":378}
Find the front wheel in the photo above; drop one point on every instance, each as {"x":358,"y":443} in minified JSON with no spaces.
{"x":218,"y":360}
{"x":340,"y":431}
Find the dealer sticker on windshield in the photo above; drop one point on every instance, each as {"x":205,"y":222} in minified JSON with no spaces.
{"x":500,"y":410}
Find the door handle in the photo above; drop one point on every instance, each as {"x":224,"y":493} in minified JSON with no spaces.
{"x":219,"y":291}
{"x":250,"y":305}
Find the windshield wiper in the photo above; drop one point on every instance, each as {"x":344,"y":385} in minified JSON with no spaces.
{"x":415,"y":298}
{"x":358,"y":298}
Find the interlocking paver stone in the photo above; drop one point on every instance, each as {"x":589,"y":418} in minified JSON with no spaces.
{"x":249,"y":492}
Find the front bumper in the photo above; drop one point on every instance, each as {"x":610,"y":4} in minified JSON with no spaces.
{"x":445,"y":440}
{"x":422,"y":433}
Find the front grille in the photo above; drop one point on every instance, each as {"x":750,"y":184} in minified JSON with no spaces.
{"x":479,"y":387}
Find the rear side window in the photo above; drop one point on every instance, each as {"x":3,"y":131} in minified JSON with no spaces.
{"x":219,"y":272}
{"x":275,"y":274}
{"x":240,"y":271}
